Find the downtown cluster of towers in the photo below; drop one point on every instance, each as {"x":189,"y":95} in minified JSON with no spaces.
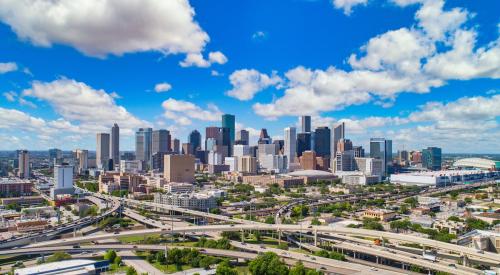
{"x":152,"y":145}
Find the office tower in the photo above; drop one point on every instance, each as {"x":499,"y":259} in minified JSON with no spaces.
{"x":63,"y":176}
{"x":305,"y":122}
{"x":359,"y":152}
{"x":212,"y":133}
{"x":194,"y":139}
{"x":381,"y":148}
{"x":24,"y":164}
{"x":308,"y":160}
{"x":161,"y":141}
{"x":102,"y":151}
{"x":322,"y":141}
{"x":215,"y":158}
{"x":290,"y":146}
{"x":210,"y":143}
{"x":128,"y":156}
{"x":187,"y":149}
{"x":403,"y":157}
{"x":82,"y":159}
{"x":144,"y":145}
{"x":242,"y":137}
{"x":179,"y":168}
{"x":344,"y":161}
{"x":338,"y":133}
{"x":273,"y":163}
{"x":115,"y":144}
{"x":176,"y":146}
{"x":264,"y":137}
{"x":55,"y":157}
{"x":225,"y":140}
{"x":369,"y":166}
{"x":344,"y":145}
{"x":247,"y":164}
{"x":303,"y":143}
{"x":431,"y":158}
{"x":279,"y":143}
{"x":416,"y":157}
{"x":228,"y":121}
{"x":240,"y":150}
{"x":267,"y":149}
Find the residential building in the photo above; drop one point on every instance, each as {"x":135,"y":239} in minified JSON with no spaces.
{"x":63,"y":177}
{"x":24,"y":164}
{"x":12,"y":187}
{"x":195,"y":201}
{"x":179,"y":187}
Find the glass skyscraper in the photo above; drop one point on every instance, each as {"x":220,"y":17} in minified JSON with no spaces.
{"x":431,"y":158}
{"x":381,"y":148}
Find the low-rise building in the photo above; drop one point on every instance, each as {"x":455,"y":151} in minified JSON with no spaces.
{"x":452,"y":227}
{"x":282,"y":180}
{"x":24,"y":226}
{"x":15,"y":187}
{"x":444,"y":177}
{"x":80,"y":266}
{"x":379,"y":214}
{"x":179,"y":187}
{"x":23,"y":201}
{"x":202,"y":202}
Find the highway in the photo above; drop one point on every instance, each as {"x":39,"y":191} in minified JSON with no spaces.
{"x":285,"y":228}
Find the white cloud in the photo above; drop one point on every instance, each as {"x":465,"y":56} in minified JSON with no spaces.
{"x":162,"y":87}
{"x":259,"y":35}
{"x":28,"y":103}
{"x":347,"y":5}
{"x":115,"y":26}
{"x":436,"y":22}
{"x":10,"y":96}
{"x":197,"y":60}
{"x":182,"y":111}
{"x":246,"y":83}
{"x":8,"y":67}
{"x":215,"y":73}
{"x":93,"y":110}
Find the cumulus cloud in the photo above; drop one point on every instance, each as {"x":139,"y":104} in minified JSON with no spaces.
{"x":347,"y":5}
{"x":8,"y":67}
{"x":182,"y":112}
{"x":247,"y":82}
{"x":116,"y":27}
{"x":398,"y":61}
{"x":197,"y":60}
{"x":162,"y":87}
{"x":94,"y":110}
{"x":11,"y":96}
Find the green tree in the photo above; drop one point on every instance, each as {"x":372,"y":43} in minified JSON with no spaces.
{"x":315,"y":221}
{"x":118,"y":260}
{"x":270,"y":220}
{"x":58,"y":256}
{"x":412,"y":201}
{"x":131,"y":271}
{"x":224,"y":268}
{"x":268,"y":264}
{"x":473,"y":223}
{"x":110,"y":255}
{"x":298,"y":269}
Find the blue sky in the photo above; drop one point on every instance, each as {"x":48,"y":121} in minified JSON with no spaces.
{"x":421,"y":72}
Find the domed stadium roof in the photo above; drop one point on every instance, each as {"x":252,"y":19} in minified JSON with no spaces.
{"x":477,"y":163}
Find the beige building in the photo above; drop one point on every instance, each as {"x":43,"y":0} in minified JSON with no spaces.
{"x":247,"y":164}
{"x":179,"y":168}
{"x":380,"y":214}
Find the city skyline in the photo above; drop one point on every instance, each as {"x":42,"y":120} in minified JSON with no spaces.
{"x":414,"y":79}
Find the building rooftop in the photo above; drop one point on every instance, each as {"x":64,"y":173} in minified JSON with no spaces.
{"x":310,"y":173}
{"x":66,"y":267}
{"x":480,"y":163}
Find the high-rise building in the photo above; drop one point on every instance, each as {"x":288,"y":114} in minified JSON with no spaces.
{"x":241,"y":150}
{"x":247,"y":164}
{"x":322,"y":141}
{"x":102,"y":151}
{"x":210,"y":143}
{"x":187,"y":149}
{"x":416,"y":157}
{"x":24,"y":164}
{"x":403,"y":157}
{"x":225,"y":135}
{"x":179,"y":168}
{"x":55,"y":157}
{"x":308,"y":160}
{"x":305,"y":123}
{"x":303,"y":143}
{"x":176,"y":146}
{"x":344,"y":161}
{"x":359,"y":152}
{"x":161,"y":141}
{"x":344,"y":145}
{"x":338,"y":133}
{"x":63,"y":176}
{"x":242,"y":137}
{"x":264,"y":138}
{"x":228,"y":121}
{"x":267,"y":149}
{"x":194,"y":139}
{"x":280,"y":144}
{"x":144,"y":145}
{"x":82,"y":160}
{"x":369,"y":166}
{"x":212,"y":132}
{"x":115,"y":144}
{"x":290,"y":146}
{"x":431,"y":158}
{"x":381,"y":148}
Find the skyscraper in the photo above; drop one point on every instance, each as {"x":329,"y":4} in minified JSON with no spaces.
{"x":212,"y":132}
{"x":115,"y":144}
{"x":290,"y":147}
{"x":322,"y":142}
{"x":161,"y":141}
{"x":225,"y":135}
{"x":228,"y":121}
{"x":176,"y":146}
{"x":82,"y":160}
{"x":338,"y":133}
{"x":303,"y":143}
{"x":381,"y":148}
{"x":102,"y":151}
{"x":431,"y":158}
{"x":24,"y":164}
{"x":144,"y":145}
{"x":305,"y":122}
{"x":194,"y":139}
{"x":264,"y":137}
{"x":55,"y":157}
{"x":359,"y":152}
{"x":242,"y":137}
{"x":344,"y":145}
